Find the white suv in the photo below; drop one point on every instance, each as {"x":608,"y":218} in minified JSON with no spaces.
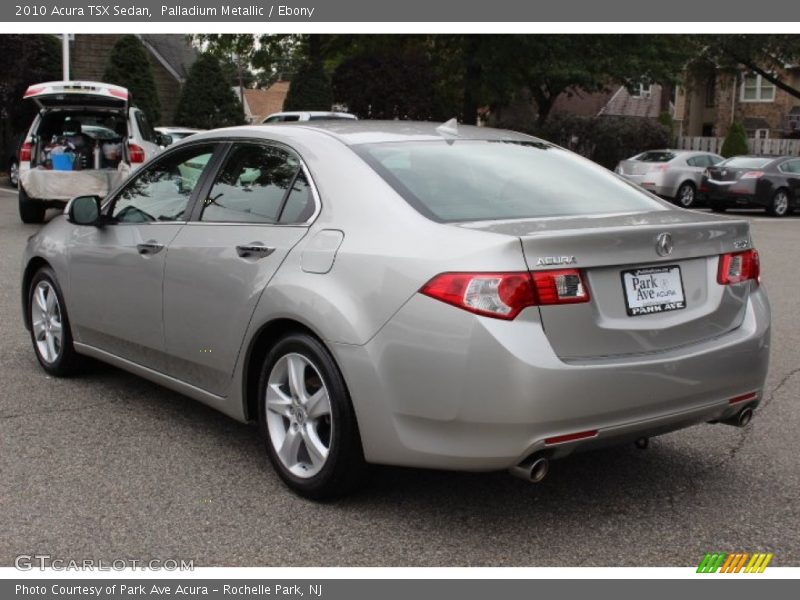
{"x":85,"y":140}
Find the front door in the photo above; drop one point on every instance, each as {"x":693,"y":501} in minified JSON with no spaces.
{"x":117,"y":271}
{"x":218,"y":265}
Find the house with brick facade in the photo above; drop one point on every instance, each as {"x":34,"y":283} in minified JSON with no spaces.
{"x":707,"y":109}
{"x":170,"y":56}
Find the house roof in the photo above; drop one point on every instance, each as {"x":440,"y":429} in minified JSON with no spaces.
{"x":623,"y":104}
{"x":259,"y":104}
{"x":175,"y":52}
{"x":582,"y":103}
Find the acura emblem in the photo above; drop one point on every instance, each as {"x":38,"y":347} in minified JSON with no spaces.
{"x":664,"y":244}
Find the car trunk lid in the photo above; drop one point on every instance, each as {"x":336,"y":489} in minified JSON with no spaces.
{"x":620,"y":262}
{"x":88,"y":94}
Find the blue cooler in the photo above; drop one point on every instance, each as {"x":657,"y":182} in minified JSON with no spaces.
{"x":62,"y":162}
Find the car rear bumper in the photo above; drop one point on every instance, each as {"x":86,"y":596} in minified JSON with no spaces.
{"x":439,"y":387}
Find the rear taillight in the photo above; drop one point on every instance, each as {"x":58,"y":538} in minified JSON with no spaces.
{"x":564,"y":286}
{"x":504,"y":295}
{"x":659,"y":167}
{"x":739,"y":266}
{"x":752,"y":175}
{"x":135,"y":153}
{"x":25,"y":152}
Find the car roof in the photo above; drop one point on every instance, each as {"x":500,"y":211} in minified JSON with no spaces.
{"x":352,"y":132}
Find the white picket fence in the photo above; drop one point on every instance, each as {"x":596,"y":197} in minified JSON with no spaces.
{"x":776,"y":146}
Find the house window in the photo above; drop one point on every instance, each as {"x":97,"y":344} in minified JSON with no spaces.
{"x":757,"y":89}
{"x":642,"y":91}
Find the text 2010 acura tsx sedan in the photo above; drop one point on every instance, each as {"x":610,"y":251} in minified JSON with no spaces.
{"x":398,"y":293}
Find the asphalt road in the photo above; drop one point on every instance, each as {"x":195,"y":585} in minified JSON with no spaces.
{"x":109,"y":466}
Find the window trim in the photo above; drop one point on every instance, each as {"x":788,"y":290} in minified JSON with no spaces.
{"x":759,"y":86}
{"x":111,"y":199}
{"x":228,"y":144}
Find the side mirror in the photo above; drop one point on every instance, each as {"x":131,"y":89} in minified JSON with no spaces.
{"x":164,"y":140}
{"x":84,"y":210}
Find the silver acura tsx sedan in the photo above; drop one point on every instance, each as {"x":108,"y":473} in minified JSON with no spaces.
{"x":405,"y":294}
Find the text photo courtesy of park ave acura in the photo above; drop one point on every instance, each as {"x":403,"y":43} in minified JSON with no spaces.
{"x":397,"y":300}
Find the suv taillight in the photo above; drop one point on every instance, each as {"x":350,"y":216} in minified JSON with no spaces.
{"x":135,"y":153}
{"x":504,"y":295}
{"x":25,"y":152}
{"x":739,"y":266}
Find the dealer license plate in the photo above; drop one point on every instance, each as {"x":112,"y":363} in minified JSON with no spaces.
{"x":653,"y":290}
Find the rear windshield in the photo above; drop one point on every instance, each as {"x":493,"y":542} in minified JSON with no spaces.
{"x":489,"y":180}
{"x":745,"y":162}
{"x":655,"y":156}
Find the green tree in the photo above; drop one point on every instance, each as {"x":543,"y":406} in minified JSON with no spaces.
{"x":735,"y":142}
{"x":37,"y":58}
{"x":310,"y":88}
{"x":129,"y":66}
{"x":207,"y":100}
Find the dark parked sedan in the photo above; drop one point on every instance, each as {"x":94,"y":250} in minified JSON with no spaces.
{"x":754,"y":181}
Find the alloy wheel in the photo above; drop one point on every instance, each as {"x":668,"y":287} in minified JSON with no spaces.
{"x":48,"y":329}
{"x":780,"y":205}
{"x":686,"y":195}
{"x":299,"y":418}
{"x":13,"y":174}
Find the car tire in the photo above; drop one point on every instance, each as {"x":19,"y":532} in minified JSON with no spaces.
{"x":779,"y":204}
{"x":686,"y":197}
{"x":13,"y":173}
{"x":30,"y":210}
{"x":717,"y":206}
{"x":307,"y":420}
{"x":50,"y":329}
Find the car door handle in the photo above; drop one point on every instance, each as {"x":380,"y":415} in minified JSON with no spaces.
{"x":255,"y":250}
{"x":149,"y":248}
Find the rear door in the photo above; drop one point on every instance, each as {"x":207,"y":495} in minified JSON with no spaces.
{"x":245,"y":222}
{"x":117,"y":271}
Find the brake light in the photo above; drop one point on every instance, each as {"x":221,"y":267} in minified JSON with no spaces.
{"x":739,"y":266}
{"x":563,"y":286}
{"x":504,"y":295}
{"x":25,"y":152}
{"x":135,"y":153}
{"x":570,"y":437}
{"x":752,"y":175}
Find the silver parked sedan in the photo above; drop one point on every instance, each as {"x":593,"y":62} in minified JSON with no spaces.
{"x":398,"y":293}
{"x":672,"y":174}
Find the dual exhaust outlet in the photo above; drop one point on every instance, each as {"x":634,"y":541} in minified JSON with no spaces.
{"x":535,"y":468}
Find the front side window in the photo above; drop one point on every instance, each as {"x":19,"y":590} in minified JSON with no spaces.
{"x":472,"y":180}
{"x":162,"y":191}
{"x":757,"y":89}
{"x":254,"y":186}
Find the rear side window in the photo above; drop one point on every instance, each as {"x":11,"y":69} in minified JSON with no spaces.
{"x":655,"y":156}
{"x":697,"y":161}
{"x":792,"y":166}
{"x":253,"y":186}
{"x":473,"y":180}
{"x":145,"y":129}
{"x":746,"y":162}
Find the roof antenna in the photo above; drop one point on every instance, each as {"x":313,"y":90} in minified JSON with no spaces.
{"x":448,"y":128}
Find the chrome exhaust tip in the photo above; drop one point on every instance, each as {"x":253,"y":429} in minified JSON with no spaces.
{"x":740,"y":419}
{"x":533,"y":469}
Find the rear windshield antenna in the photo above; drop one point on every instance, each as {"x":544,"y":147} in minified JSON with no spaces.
{"x":449,"y":128}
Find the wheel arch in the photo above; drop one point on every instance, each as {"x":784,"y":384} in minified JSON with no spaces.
{"x":33,"y":266}
{"x":260,"y":344}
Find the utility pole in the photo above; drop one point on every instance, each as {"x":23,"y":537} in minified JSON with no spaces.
{"x":65,"y":57}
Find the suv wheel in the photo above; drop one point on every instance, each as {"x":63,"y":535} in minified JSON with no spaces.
{"x":30,"y":210}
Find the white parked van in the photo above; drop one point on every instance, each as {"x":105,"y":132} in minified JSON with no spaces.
{"x":85,"y":140}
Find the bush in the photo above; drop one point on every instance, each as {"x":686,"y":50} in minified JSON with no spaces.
{"x":605,"y":140}
{"x":735,"y":142}
{"x":207,"y":100}
{"x":310,"y":89}
{"x":129,"y":66}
